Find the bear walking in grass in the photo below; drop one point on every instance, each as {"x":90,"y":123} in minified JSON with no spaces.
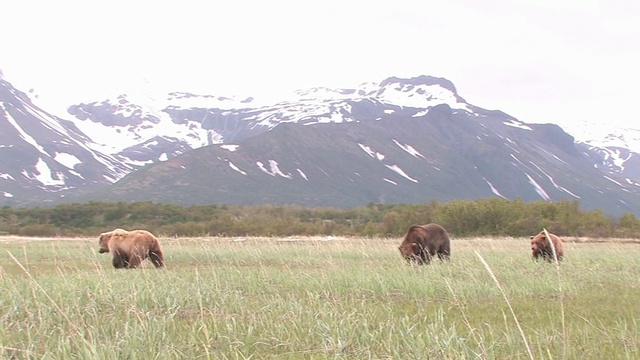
{"x":422,"y":242}
{"x":130,"y":248}
{"x":541,"y":247}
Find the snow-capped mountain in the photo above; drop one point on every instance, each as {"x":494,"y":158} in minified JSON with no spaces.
{"x":400,"y":140}
{"x":128,"y":120}
{"x":145,"y":128}
{"x":148,"y":128}
{"x":605,"y":135}
{"x":391,"y":156}
{"x":617,"y":147}
{"x":41,"y":154}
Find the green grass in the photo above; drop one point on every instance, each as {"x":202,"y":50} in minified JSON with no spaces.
{"x":347,"y":298}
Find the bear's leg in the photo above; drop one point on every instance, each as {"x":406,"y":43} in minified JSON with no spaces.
{"x":425,"y":255}
{"x":443,"y":255}
{"x":156,"y":258}
{"x":553,"y":259}
{"x":118,"y":261}
{"x":536,"y":255}
{"x":125,"y":260}
{"x":429,"y":252}
{"x":134,"y":261}
{"x":444,"y":252}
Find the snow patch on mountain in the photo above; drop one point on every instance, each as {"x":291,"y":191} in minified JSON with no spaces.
{"x":230,"y":147}
{"x":539,"y":189}
{"x":273,"y":169}
{"x":23,"y":134}
{"x":517,"y":124}
{"x":615,"y":157}
{"x":493,"y":189}
{"x":68,"y":160}
{"x":518,"y":161}
{"x":302,"y":174}
{"x":231,"y":165}
{"x":409,"y":149}
{"x":613,"y":181}
{"x":45,"y":119}
{"x":421,"y":113}
{"x":45,"y":175}
{"x":401,"y":172}
{"x":372,"y":153}
{"x":553,"y":181}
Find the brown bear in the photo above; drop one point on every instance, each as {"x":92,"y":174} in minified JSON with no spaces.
{"x":541,"y":247}
{"x":422,"y":242}
{"x":130,"y":248}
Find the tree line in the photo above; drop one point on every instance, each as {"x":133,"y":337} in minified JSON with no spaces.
{"x":462,"y":218}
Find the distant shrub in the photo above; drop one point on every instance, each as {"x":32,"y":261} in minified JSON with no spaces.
{"x":38,"y":230}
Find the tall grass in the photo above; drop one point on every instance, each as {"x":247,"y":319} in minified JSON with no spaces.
{"x":347,"y":298}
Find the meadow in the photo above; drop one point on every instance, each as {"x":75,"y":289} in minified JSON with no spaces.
{"x":318,"y":298}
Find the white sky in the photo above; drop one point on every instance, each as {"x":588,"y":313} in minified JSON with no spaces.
{"x":540,"y":61}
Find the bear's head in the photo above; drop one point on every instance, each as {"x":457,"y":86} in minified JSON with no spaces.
{"x":543,"y":245}
{"x":539,"y":242}
{"x":104,"y":242}
{"x":410,"y":251}
{"x":105,"y":238}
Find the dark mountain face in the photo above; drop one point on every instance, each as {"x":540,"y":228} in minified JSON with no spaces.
{"x":400,"y":141}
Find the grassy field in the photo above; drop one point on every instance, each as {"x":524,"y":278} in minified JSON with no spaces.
{"x":221,"y":298}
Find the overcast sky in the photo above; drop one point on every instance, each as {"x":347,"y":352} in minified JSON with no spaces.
{"x":540,"y":61}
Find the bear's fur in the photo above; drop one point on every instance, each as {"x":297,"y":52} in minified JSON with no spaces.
{"x":130,"y":248}
{"x":422,"y":242}
{"x":541,"y":248}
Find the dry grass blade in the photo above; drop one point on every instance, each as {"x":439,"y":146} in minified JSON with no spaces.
{"x":557,"y":264}
{"x":506,"y":299}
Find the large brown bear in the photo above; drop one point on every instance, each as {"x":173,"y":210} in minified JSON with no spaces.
{"x":129,"y":248}
{"x":541,"y":247}
{"x":422,"y":242}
